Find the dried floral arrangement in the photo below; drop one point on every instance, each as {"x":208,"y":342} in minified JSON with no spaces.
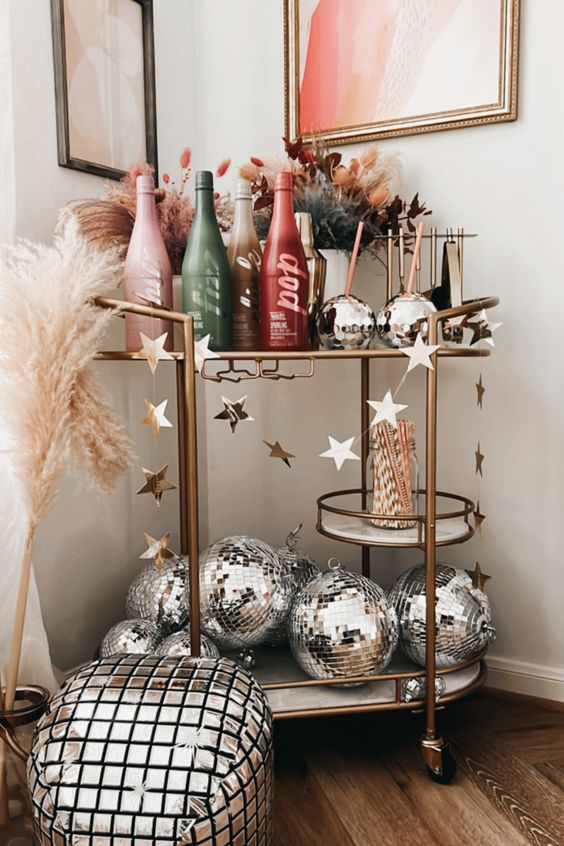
{"x":337,"y":196}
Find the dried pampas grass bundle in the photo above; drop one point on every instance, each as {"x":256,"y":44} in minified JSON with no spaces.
{"x":51,"y":406}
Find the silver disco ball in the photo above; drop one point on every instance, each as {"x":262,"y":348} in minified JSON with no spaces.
{"x":403,"y":318}
{"x":161,"y":595}
{"x":300,"y":569}
{"x":345,"y":323}
{"x":131,"y":637}
{"x":244,"y":592}
{"x":463,"y":620}
{"x":140,"y":751}
{"x":178,"y":645}
{"x":342,"y":625}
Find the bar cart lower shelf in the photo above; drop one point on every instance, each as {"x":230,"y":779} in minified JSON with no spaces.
{"x":444,"y":519}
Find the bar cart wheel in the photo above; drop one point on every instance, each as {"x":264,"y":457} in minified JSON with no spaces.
{"x":441,"y":763}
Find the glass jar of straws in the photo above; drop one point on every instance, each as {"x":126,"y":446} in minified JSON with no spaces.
{"x":393,"y":475}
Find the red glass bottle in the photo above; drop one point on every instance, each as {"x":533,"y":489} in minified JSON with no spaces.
{"x":284,"y":277}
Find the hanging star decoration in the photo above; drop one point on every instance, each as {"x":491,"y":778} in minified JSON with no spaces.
{"x":157,"y":549}
{"x":340,"y":452}
{"x":386,"y":409}
{"x":153,"y":350}
{"x":202,"y":352}
{"x":478,"y":518}
{"x":420,"y":354}
{"x":483,"y":329}
{"x":480,"y":391}
{"x":234,"y":412}
{"x":156,"y":417}
{"x":479,"y":579}
{"x":156,"y":483}
{"x":277,"y":451}
{"x":479,"y":460}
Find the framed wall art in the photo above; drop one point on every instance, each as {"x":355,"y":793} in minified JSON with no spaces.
{"x":104,"y":84}
{"x":366,"y":69}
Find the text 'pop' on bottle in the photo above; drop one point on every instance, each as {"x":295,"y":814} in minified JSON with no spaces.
{"x":284,"y":277}
{"x":206,"y":278}
{"x":245,"y":255}
{"x":147,"y":274}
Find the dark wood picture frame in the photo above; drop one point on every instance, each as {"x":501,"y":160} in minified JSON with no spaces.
{"x":66,"y":159}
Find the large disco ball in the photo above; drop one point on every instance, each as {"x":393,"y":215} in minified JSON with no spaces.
{"x":244,"y":592}
{"x":345,"y":323}
{"x":161,"y":595}
{"x":342,"y":625}
{"x":148,"y":751}
{"x":300,"y":569}
{"x":463,"y":620}
{"x":131,"y":637}
{"x":178,"y":645}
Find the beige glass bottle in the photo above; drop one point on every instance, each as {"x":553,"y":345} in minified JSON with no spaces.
{"x":317,"y":268}
{"x":245,"y":256}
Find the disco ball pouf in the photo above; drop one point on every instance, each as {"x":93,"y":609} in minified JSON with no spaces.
{"x":300,"y":569}
{"x":140,"y":751}
{"x":342,"y":625}
{"x":463,"y":620}
{"x":177,"y":645}
{"x":131,"y":637}
{"x":244,"y":592}
{"x":161,"y":595}
{"x":346,"y":323}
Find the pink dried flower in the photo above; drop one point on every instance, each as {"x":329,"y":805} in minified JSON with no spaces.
{"x":249,"y":171}
{"x":223,"y":167}
{"x":185,"y":158}
{"x":166,"y":178}
{"x":257,"y":162}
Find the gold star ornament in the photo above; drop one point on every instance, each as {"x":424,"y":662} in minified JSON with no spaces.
{"x":233,"y":412}
{"x":153,"y":350}
{"x":156,"y":483}
{"x":277,"y":451}
{"x":478,"y":518}
{"x":480,"y":391}
{"x":157,"y":549}
{"x":156,"y":417}
{"x":479,"y":579}
{"x":479,"y":460}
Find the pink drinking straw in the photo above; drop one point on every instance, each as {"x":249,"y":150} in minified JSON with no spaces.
{"x":415,"y":259}
{"x":353,"y":258}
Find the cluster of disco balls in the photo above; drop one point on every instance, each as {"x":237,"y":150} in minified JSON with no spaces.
{"x":338,"y":624}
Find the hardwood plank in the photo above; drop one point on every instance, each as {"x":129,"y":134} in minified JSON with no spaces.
{"x":482,"y":713}
{"x":525,"y":797}
{"x":303,"y":816}
{"x":554,"y":772}
{"x":536,"y":744}
{"x":368,"y":802}
{"x":448,"y":810}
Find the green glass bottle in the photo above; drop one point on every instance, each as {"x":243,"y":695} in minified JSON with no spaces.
{"x":206,"y":276}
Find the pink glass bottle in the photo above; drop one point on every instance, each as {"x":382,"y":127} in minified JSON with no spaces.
{"x":147,"y":275}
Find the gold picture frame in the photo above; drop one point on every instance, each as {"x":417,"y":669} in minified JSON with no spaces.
{"x":505,"y":35}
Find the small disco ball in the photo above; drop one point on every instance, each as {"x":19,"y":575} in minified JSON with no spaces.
{"x":300,"y":569}
{"x":178,"y":645}
{"x":345,"y":323}
{"x":342,"y":625}
{"x":160,"y":596}
{"x":463,"y":620}
{"x":132,"y":637}
{"x":415,"y":688}
{"x":403,"y":318}
{"x":244,"y":592}
{"x":141,"y":750}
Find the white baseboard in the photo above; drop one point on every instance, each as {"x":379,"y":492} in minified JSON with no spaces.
{"x":522,"y":677}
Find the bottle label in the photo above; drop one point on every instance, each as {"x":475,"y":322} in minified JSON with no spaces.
{"x":289,"y":283}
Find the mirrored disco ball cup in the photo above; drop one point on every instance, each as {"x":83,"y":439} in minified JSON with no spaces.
{"x":346,"y":323}
{"x":131,"y":637}
{"x":403,"y":318}
{"x":148,"y":751}
{"x":160,"y":596}
{"x":463,"y":620}
{"x":244,"y":592}
{"x":342,"y":625}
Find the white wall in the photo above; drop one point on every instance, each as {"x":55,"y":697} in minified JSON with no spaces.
{"x":220,"y":89}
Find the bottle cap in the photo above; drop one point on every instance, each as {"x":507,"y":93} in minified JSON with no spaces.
{"x":145,"y":184}
{"x":204,"y":179}
{"x":284,"y":181}
{"x":243,"y":190}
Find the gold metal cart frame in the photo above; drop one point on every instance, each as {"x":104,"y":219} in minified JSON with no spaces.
{"x":435,"y":750}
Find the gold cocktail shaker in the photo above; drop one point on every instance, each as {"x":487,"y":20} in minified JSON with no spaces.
{"x":317,"y":267}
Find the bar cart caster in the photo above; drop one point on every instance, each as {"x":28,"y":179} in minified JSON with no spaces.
{"x":440,"y":762}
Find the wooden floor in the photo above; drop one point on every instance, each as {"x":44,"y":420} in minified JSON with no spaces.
{"x":360,"y":781}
